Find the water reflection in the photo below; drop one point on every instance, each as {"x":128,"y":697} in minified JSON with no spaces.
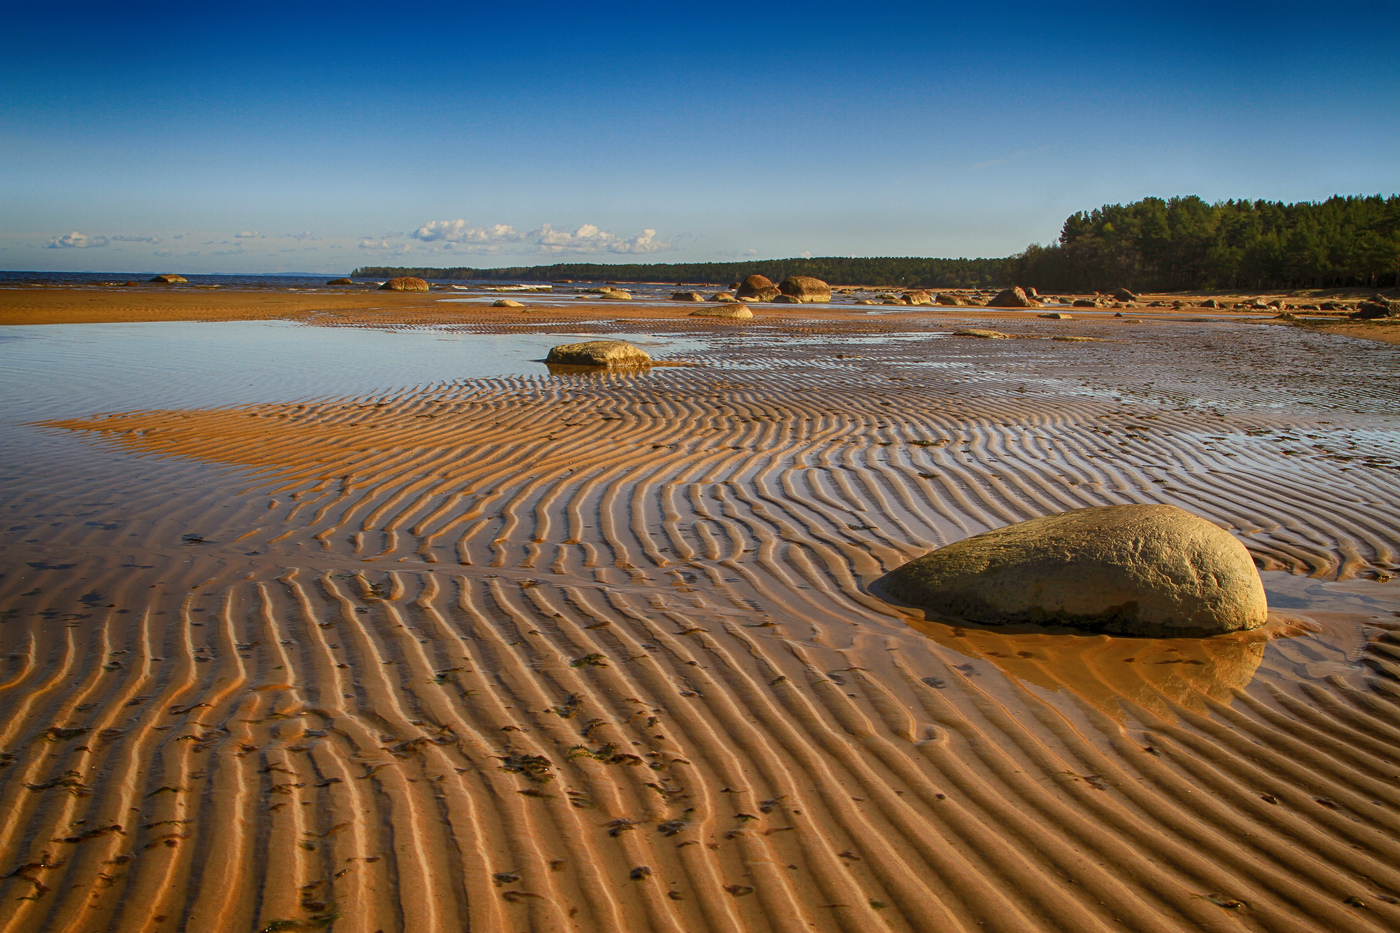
{"x":1156,"y":674}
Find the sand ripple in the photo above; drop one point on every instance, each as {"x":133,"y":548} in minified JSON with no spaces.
{"x":570,"y":653}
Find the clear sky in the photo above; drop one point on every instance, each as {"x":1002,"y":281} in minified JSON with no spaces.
{"x":252,"y":137}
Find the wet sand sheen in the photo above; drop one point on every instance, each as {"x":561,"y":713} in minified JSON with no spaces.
{"x":597,"y":654}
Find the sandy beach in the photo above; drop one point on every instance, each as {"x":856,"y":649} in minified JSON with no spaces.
{"x":579,"y":652}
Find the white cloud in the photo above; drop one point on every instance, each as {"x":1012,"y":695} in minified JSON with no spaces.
{"x":164,"y":252}
{"x":304,"y":235}
{"x":384,"y":246}
{"x":130,"y":238}
{"x":230,"y":252}
{"x":806,"y":254}
{"x":247,"y":235}
{"x":588,"y":238}
{"x":750,"y":252}
{"x":459,"y":231}
{"x":76,"y":240}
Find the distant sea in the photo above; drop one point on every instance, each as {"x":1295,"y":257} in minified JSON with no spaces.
{"x":78,"y":279}
{"x":283,"y":282}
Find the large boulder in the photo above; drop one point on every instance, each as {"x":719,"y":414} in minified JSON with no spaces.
{"x":1122,"y":294}
{"x":507,"y":303}
{"x":981,"y":332}
{"x":949,"y":299}
{"x":612,"y":353}
{"x":612,"y":293}
{"x":805,"y":288}
{"x":1151,"y":570}
{"x":1087,"y":303}
{"x":1013,"y":298}
{"x":1376,"y":309}
{"x":404,"y":283}
{"x":341,"y":282}
{"x":687,"y":296}
{"x":917,"y":296}
{"x":731,"y":311}
{"x":169,"y":279}
{"x":757,"y":288}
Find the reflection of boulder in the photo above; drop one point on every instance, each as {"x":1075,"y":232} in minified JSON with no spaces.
{"x":599,"y":353}
{"x":1153,"y":570}
{"x":1158,"y":675}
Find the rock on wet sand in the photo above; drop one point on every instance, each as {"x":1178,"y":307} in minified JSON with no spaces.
{"x":1151,"y":570}
{"x":599,"y":353}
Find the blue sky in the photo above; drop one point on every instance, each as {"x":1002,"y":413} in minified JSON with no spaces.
{"x":258,"y":138}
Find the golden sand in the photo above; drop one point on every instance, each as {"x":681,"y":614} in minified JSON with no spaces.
{"x":598,"y":653}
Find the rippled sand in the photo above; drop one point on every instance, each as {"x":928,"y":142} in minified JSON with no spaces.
{"x":564,"y":652}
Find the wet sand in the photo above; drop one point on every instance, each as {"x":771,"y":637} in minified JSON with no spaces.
{"x":570,"y":652}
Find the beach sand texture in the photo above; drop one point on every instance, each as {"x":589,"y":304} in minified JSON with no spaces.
{"x":598,"y":652}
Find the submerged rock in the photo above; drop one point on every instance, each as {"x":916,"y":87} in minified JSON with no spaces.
{"x":404,"y":283}
{"x":1151,"y":570}
{"x":341,"y":282}
{"x":805,"y":288}
{"x":169,"y":279}
{"x":599,"y":353}
{"x":733,"y":311}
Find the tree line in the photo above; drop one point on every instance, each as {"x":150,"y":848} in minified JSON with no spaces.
{"x":1182,"y":244}
{"x":1186,"y":244}
{"x":907,"y":272}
